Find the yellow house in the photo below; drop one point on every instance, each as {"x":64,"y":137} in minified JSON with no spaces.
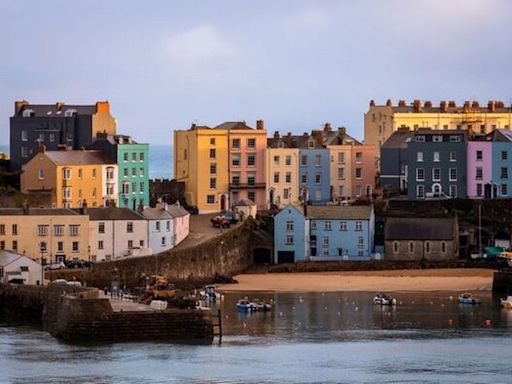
{"x":50,"y":234}
{"x":382,"y":120}
{"x":201,"y":162}
{"x":71,"y":177}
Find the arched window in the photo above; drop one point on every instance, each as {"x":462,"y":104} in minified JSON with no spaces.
{"x":443,"y":246}
{"x":427,"y":247}
{"x":396,"y":246}
{"x":411,"y":246}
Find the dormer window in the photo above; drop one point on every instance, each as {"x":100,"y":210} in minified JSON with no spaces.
{"x":311,"y":144}
{"x":420,"y":139}
{"x":455,"y":139}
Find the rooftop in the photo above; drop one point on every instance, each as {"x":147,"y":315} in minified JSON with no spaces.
{"x":37,"y":212}
{"x":113,"y":213}
{"x":401,"y":228}
{"x":78,"y":157}
{"x":356,"y":212}
{"x":58,"y":109}
{"x":398,"y":139}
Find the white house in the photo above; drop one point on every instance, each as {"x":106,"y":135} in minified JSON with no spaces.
{"x":14,"y":266}
{"x":181,"y":225}
{"x":160,"y":228}
{"x":110,"y":183}
{"x":116,"y":232}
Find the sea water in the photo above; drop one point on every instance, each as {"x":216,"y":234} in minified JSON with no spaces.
{"x":307,"y":338}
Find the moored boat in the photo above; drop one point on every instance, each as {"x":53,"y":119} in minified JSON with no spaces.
{"x":209,"y":293}
{"x":506,"y":303}
{"x":467,"y":298}
{"x":383,"y":299}
{"x":255,"y":305}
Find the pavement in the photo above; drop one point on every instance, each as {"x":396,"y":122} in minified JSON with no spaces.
{"x":122,"y":305}
{"x":201,"y":230}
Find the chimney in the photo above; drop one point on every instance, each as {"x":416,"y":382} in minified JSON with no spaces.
{"x":491,"y":105}
{"x":19,"y":104}
{"x":466,"y":105}
{"x":372,"y":103}
{"x":500,"y":104}
{"x":342,"y":131}
{"x":260,"y":124}
{"x":401,"y":103}
{"x":327,"y":127}
{"x":417,"y":105}
{"x":26,"y":209}
{"x":193,"y":126}
{"x":404,"y":128}
{"x":389,"y":103}
{"x":276,"y":139}
{"x":42,"y":148}
{"x":102,"y":107}
{"x":443,"y":106}
{"x":84,"y":207}
{"x":140,"y":208}
{"x":452,"y":104}
{"x":475,"y":104}
{"x":289,"y":140}
{"x":305,"y":134}
{"x":59,"y":105}
{"x":428,"y":104}
{"x":319,"y":137}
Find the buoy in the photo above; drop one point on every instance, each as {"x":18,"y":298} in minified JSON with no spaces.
{"x":487,"y":322}
{"x":450,"y":322}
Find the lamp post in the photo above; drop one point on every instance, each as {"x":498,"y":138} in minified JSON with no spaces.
{"x":42,"y":265}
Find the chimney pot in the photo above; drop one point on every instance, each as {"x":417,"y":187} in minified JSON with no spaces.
{"x":372,"y":103}
{"x":19,"y":104}
{"x":428,"y":104}
{"x":327,"y":127}
{"x":475,"y":104}
{"x":452,"y":104}
{"x":389,"y":103}
{"x":417,"y":105}
{"x":401,"y":103}
{"x":260,"y":124}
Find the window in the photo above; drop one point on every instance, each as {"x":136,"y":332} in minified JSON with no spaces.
{"x":289,"y":226}
{"x":341,"y":173}
{"x":101,"y":227}
{"x":24,"y":135}
{"x":129,"y":227}
{"x":304,"y":178}
{"x":14,"y":245}
{"x":420,"y":174}
{"x":289,"y":239}
{"x":251,"y":195}
{"x":288,"y":160}
{"x":411,"y":247}
{"x":327,"y":225}
{"x":443,"y":246}
{"x":141,"y":172}
{"x":318,"y":178}
{"x":360,"y":241}
{"x":66,"y":173}
{"x":420,"y":191}
{"x":100,"y":244}
{"x":210,"y":199}
{"x":251,"y":179}
{"x":359,"y":157}
{"x":358,"y":190}
{"x":436,"y":174}
{"x":235,"y":143}
{"x":453,"y":191}
{"x":168,"y":226}
{"x":134,"y":171}
{"x":313,"y":224}
{"x":60,"y":246}
{"x":437,"y":139}
{"x":126,"y":188}
{"x":318,"y":160}
{"x":134,"y":156}
{"x":359,"y":226}
{"x":419,"y":156}
{"x":75,"y":247}
{"x":80,"y":173}
{"x":74,"y":230}
{"x":276,"y":177}
{"x":94,"y":173}
{"x":2,"y":229}
{"x":212,"y":141}
{"x":341,"y":157}
{"x":125,"y":172}
{"x":141,"y":185}
{"x":130,"y":244}
{"x":343,"y":225}
{"x":427,"y":247}
{"x":94,"y":192}
{"x":504,"y":172}
{"x":341,"y":191}
{"x":436,"y":156}
{"x":58,"y":230}
{"x":288,"y":177}
{"x":43,"y":246}
{"x":304,"y":160}
{"x":184,"y":154}
{"x":479,"y":189}
{"x":40,"y":174}
{"x":24,"y":152}
{"x":213,"y":183}
{"x":134,"y":188}
{"x":15,"y":229}
{"x":212,"y":153}
{"x":235,"y":179}
{"x":163,"y":241}
{"x":251,"y":143}
{"x":235,"y":160}
{"x":251,"y":160}
{"x":453,"y":174}
{"x":504,"y":189}
{"x":478,"y":173}
{"x":479,"y":155}
{"x":326,"y":241}
{"x":359,"y":173}
{"x":110,"y":173}
{"x":286,"y":194}
{"x":453,"y":156}
{"x":396,"y":246}
{"x":42,"y":230}
{"x":419,"y":139}
{"x":125,"y":156}
{"x":504,"y":155}
{"x":157,"y":226}
{"x":454,"y":139}
{"x":276,"y":161}
{"x":141,"y":156}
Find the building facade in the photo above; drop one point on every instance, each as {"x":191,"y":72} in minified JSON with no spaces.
{"x":55,"y":125}
{"x":393,"y":160}
{"x":479,"y":171}
{"x":437,"y":164}
{"x":53,"y":235}
{"x":181,"y":222}
{"x":160,"y":228}
{"x":16,"y":267}
{"x":72,"y":177}
{"x":291,"y":235}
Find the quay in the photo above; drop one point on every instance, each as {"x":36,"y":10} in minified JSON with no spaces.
{"x":86,"y":315}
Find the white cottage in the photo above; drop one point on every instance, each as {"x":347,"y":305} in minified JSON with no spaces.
{"x":160,"y":228}
{"x":181,"y":222}
{"x":116,"y":232}
{"x":16,"y":267}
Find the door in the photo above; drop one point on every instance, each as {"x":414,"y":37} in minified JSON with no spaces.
{"x":222,"y":202}
{"x":285,"y":256}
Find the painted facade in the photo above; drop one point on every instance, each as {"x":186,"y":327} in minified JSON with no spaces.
{"x":479,"y":172}
{"x":181,"y":222}
{"x":51,"y":234}
{"x":314,"y":173}
{"x":291,"y":235}
{"x":282,"y":187}
{"x":71,"y":177}
{"x":14,"y":266}
{"x":393,"y":160}
{"x":160,"y":228}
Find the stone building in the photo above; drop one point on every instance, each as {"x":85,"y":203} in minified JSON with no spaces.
{"x":421,"y":238}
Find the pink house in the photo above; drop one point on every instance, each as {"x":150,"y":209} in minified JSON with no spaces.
{"x":479,"y":167}
{"x":363,"y":170}
{"x":181,"y":222}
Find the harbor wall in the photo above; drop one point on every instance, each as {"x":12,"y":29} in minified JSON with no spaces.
{"x":502,"y":282}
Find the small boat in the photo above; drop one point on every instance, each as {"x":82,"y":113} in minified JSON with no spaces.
{"x":256,"y":305}
{"x":467,"y":298}
{"x":209,"y":293}
{"x":244,"y":306}
{"x":261,"y":306}
{"x":383,"y":299}
{"x":506,"y":303}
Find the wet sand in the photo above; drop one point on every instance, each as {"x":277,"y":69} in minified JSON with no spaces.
{"x":395,"y":280}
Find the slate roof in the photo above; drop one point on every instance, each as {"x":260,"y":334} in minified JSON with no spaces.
{"x":177,"y":211}
{"x":398,"y":139}
{"x":401,"y":228}
{"x":357,"y":212}
{"x":51,"y":110}
{"x":245,"y":203}
{"x":229,"y":125}
{"x":7,"y":258}
{"x":37,"y":212}
{"x":500,"y":135}
{"x":113,"y":213}
{"x":156,"y":214}
{"x":339,"y":137}
{"x":78,"y":157}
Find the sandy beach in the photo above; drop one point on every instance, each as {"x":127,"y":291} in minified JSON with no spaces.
{"x":391,"y":281}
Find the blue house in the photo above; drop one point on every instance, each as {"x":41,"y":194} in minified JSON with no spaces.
{"x":501,"y":181}
{"x":324,"y":233}
{"x":291,"y":235}
{"x":314,"y":171}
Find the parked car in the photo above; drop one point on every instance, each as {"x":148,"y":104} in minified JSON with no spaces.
{"x":75,"y":264}
{"x":231,"y":216}
{"x":220,"y":222}
{"x":16,"y":281}
{"x":54,"y":266}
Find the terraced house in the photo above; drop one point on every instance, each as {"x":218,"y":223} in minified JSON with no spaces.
{"x":72,"y":178}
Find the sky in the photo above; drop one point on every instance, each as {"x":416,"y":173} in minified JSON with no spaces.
{"x":295,"y":64}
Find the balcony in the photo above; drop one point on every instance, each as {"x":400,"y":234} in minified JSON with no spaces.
{"x":238,"y":186}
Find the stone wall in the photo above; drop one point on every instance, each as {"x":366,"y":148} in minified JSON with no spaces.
{"x":502,"y":282}
{"x":224,"y":255}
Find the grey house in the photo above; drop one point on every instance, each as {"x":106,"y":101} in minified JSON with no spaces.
{"x":421,"y":238}
{"x":436,"y":164}
{"x":393,"y":160}
{"x":55,"y":125}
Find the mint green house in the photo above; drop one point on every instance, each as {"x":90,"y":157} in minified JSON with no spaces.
{"x":132,"y":159}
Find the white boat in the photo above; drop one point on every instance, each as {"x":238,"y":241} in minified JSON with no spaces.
{"x":209,"y":293}
{"x":383,"y":299}
{"x":467,"y":298}
{"x":506,"y":303}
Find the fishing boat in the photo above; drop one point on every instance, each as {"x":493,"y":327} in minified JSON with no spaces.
{"x":383,"y":299}
{"x":467,"y":298}
{"x":506,"y":303}
{"x":245,"y":306}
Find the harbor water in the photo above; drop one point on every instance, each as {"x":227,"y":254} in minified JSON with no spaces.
{"x":307,"y":338}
